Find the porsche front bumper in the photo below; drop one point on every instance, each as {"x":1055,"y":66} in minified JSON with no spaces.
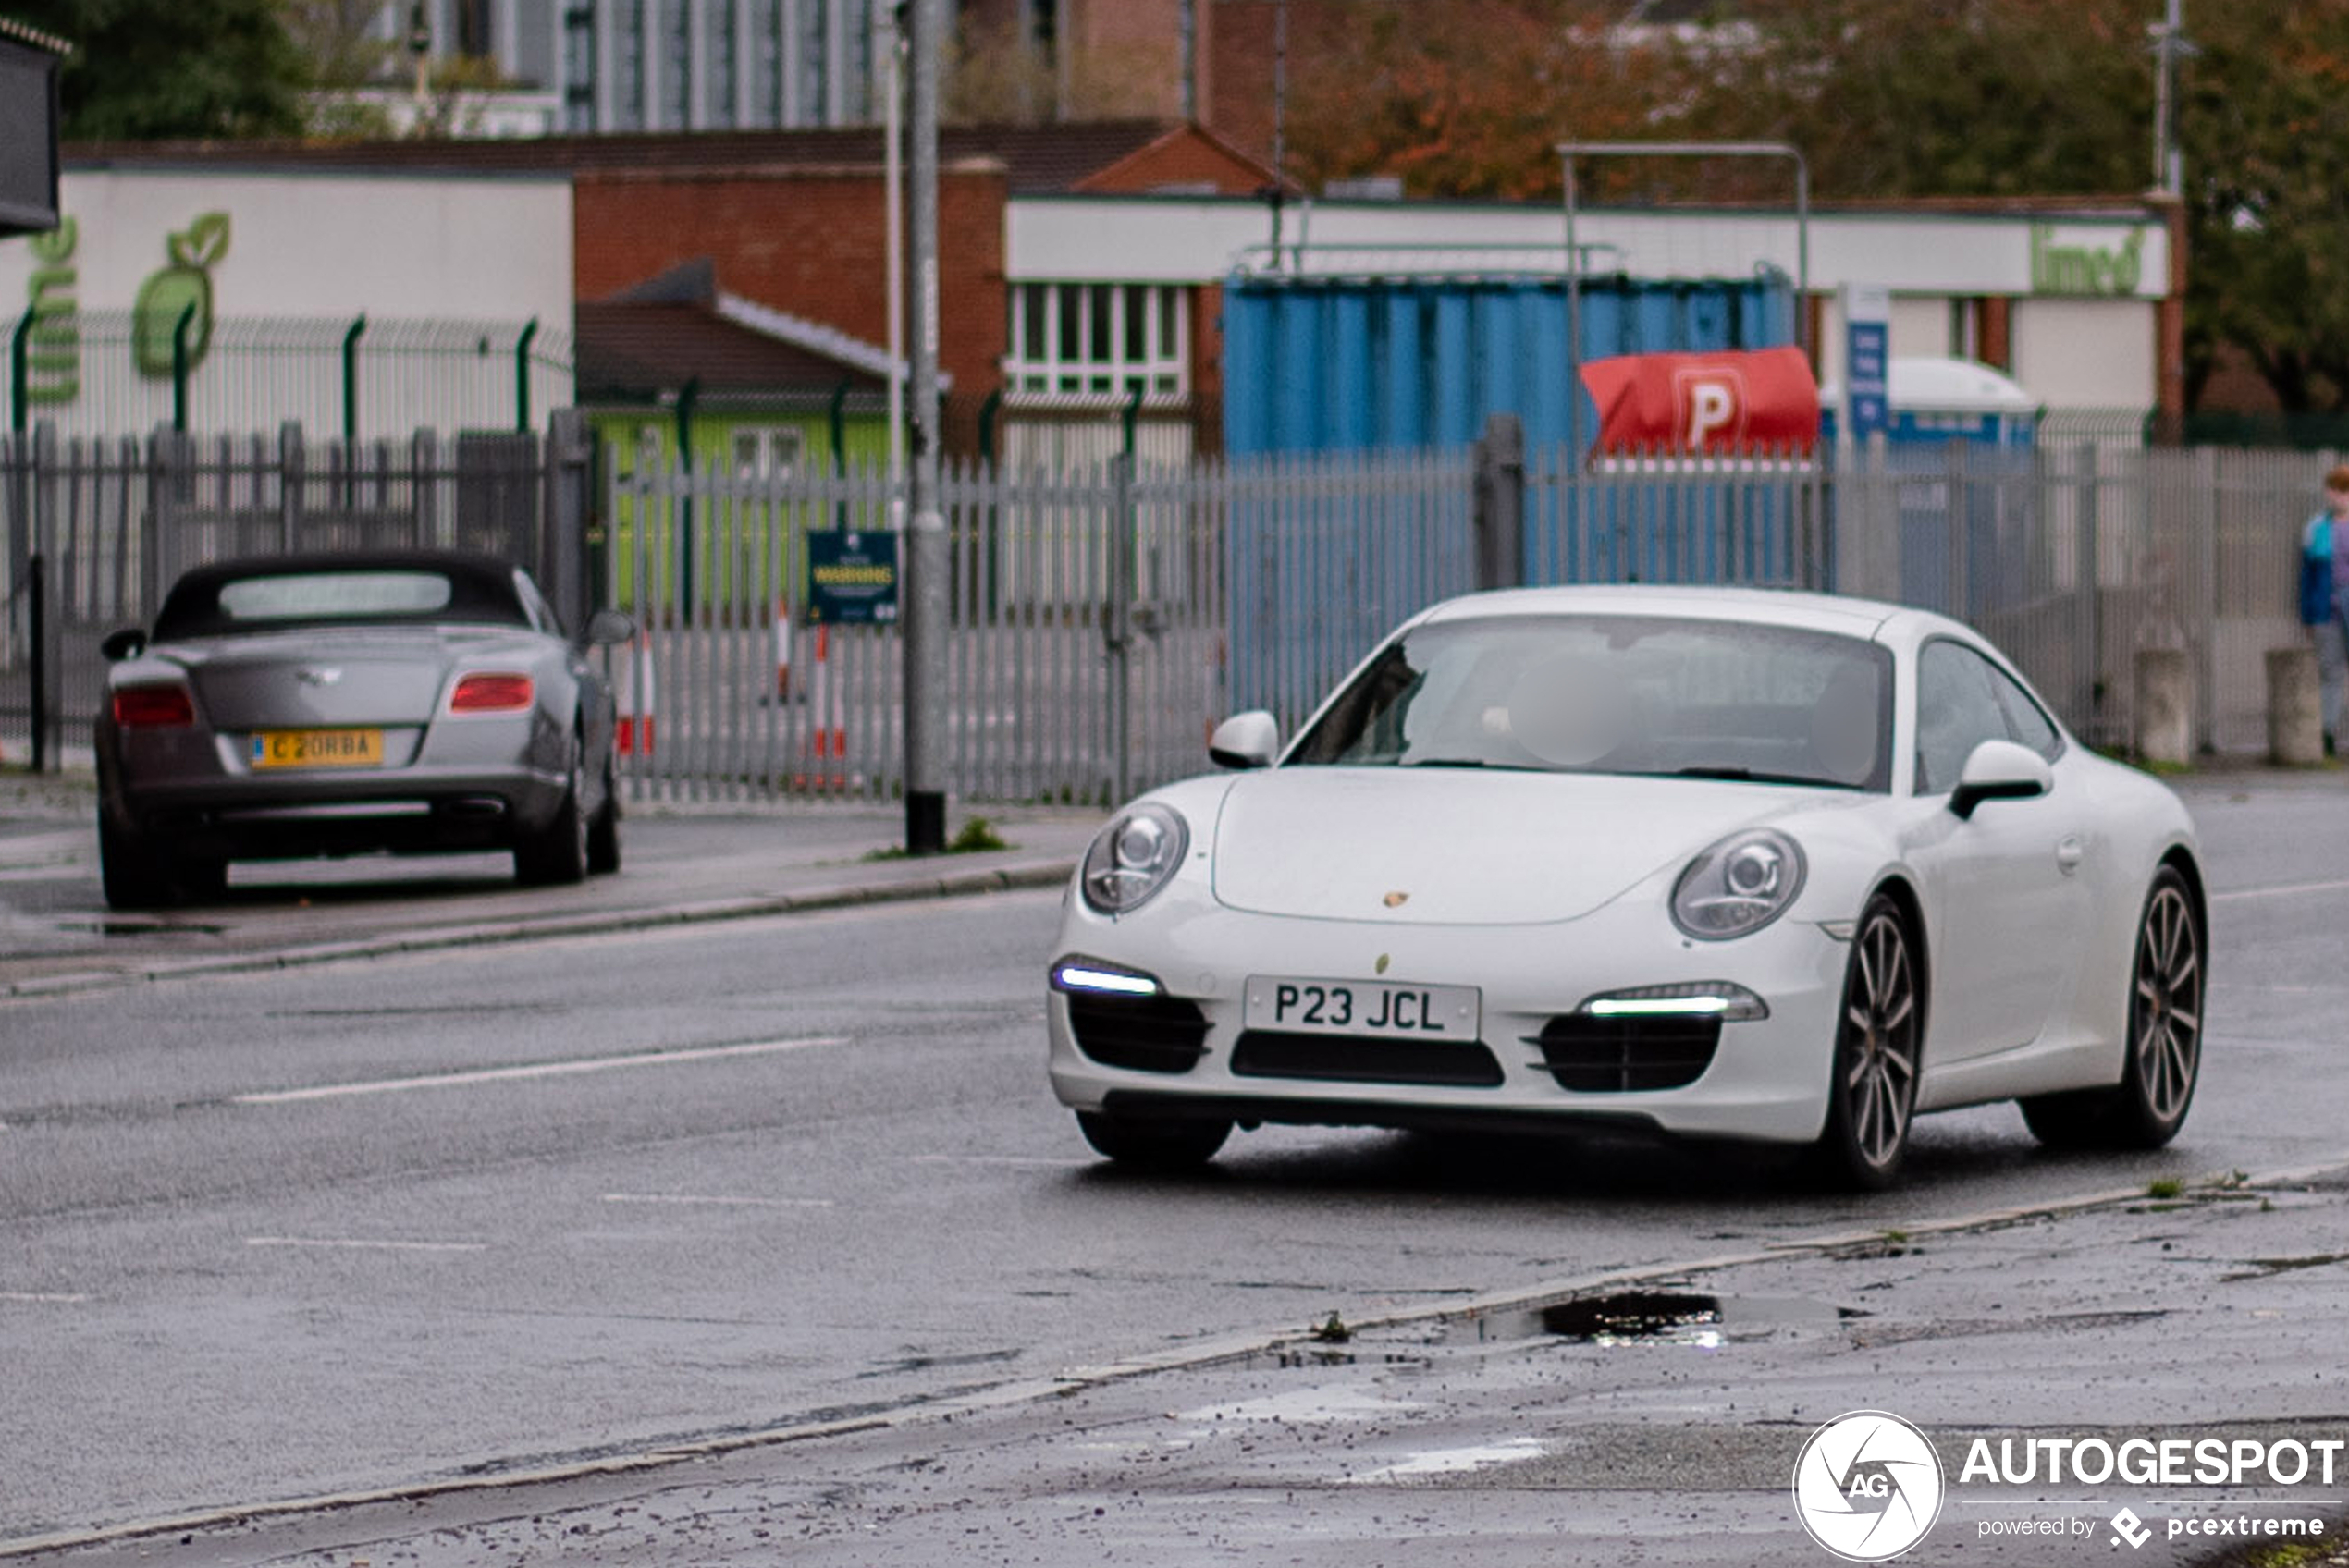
{"x":1539,"y":1058}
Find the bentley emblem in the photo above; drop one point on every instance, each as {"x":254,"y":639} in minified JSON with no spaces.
{"x":1396,"y":900}
{"x":318,"y":677}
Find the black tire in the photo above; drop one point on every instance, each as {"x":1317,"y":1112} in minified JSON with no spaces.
{"x":203,"y":881}
{"x":1872,"y":1089}
{"x":2162,"y":1056}
{"x":132,"y":876}
{"x":603,"y":833}
{"x":1169,"y":1144}
{"x":557,"y":854}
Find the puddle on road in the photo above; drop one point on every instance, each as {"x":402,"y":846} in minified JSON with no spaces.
{"x":1656,"y":1318}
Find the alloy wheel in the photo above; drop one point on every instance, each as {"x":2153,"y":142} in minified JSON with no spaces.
{"x":1878,"y":1062}
{"x":2165,"y":1015}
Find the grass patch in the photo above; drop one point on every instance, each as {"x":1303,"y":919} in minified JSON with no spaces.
{"x":1332,"y":1331}
{"x":2165,"y":1188}
{"x":977,"y":837}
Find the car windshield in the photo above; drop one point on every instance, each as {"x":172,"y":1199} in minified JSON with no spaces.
{"x":216,"y":603}
{"x":1618,"y":694}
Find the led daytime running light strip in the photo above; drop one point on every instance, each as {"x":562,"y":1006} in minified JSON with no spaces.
{"x":1700,"y":999}
{"x":1654,"y":1007}
{"x":1075,"y":976}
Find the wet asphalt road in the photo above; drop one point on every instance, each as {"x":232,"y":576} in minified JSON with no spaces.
{"x":232,"y":1270}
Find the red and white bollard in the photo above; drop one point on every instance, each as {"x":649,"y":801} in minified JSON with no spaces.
{"x":633,"y":697}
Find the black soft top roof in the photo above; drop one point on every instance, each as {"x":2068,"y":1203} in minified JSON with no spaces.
{"x":481,"y":589}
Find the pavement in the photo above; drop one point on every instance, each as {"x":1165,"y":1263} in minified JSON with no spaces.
{"x":683,"y":863}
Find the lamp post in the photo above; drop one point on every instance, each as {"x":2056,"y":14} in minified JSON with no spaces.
{"x":420,"y":53}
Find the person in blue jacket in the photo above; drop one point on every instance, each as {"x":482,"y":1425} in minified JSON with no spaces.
{"x":2324,"y":593}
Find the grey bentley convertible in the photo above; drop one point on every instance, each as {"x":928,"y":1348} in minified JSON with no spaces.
{"x":403,"y":701}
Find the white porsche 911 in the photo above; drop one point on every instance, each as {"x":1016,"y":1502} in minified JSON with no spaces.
{"x":1721,"y":863}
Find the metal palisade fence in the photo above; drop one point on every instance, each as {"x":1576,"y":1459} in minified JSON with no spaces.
{"x":1106,"y":614}
{"x":96,"y":531}
{"x":1085,"y":656}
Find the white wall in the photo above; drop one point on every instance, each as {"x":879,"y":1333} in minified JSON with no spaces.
{"x":1159,"y":239}
{"x":445,"y":247}
{"x":1920,"y":327}
{"x":2085,"y":353}
{"x":304,"y":256}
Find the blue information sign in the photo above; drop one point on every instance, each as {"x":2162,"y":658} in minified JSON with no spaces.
{"x":852,"y":578}
{"x":1867,"y":346}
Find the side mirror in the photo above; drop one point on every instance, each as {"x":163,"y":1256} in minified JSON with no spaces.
{"x":608,"y":629}
{"x":127,"y":644}
{"x":2000,"y":770}
{"x":1245,"y":740}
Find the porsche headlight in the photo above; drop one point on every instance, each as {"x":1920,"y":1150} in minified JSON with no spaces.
{"x":1738,"y":886}
{"x":1133,"y":857}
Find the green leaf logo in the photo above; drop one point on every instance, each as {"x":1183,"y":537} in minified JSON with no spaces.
{"x":181,"y":290}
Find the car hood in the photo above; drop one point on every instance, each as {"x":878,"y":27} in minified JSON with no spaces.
{"x":1449,"y":847}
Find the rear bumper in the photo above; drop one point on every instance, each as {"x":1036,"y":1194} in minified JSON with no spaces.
{"x":413,"y":811}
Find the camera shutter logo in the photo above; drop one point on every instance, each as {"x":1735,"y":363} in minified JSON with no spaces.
{"x":1867,"y":1486}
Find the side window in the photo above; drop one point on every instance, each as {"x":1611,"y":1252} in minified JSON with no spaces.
{"x":1957,"y":710}
{"x":2026,"y":725}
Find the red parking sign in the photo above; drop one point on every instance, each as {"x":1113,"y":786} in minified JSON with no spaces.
{"x":1729,"y":403}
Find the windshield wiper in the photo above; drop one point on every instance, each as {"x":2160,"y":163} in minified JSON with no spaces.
{"x":1751,"y":776}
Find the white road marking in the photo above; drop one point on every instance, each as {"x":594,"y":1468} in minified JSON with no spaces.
{"x":534,"y":1070}
{"x":723,"y":1201}
{"x":55,"y":1297}
{"x":2289,"y":891}
{"x":1454,"y":1461}
{"x":354,"y":1244}
{"x":1016,"y":1161}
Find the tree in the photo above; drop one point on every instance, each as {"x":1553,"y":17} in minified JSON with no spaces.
{"x":2004,"y":99}
{"x":142,"y":69}
{"x":2265,"y":125}
{"x":1473,"y":104}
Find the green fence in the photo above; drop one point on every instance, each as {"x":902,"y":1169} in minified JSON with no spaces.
{"x":117,"y":372}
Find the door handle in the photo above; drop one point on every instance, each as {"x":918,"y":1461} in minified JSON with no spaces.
{"x":2070,"y":853}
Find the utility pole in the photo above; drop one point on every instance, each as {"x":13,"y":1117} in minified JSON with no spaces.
{"x":890,"y":38}
{"x":2170,"y":43}
{"x":925,"y":607}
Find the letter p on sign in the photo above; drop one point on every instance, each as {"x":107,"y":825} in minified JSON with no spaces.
{"x":1711,"y":405}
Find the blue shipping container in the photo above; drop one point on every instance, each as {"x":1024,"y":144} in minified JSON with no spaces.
{"x":1352,"y":364}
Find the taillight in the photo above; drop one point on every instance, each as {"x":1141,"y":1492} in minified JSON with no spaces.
{"x":154,"y":706}
{"x":490,"y":693}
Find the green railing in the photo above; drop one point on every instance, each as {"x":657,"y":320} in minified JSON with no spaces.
{"x":117,"y":372}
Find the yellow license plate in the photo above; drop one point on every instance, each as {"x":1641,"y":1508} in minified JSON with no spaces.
{"x":318,"y":748}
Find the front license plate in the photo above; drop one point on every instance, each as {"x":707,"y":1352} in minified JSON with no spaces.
{"x":317,"y":748}
{"x":1375,"y":1008}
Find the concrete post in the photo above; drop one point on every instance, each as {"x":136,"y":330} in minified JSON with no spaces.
{"x":1500,"y":503}
{"x":571,"y":514}
{"x":2164,"y":707}
{"x":2296,"y":727}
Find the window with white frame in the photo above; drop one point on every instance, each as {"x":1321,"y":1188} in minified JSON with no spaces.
{"x":766,"y":451}
{"x":1101,"y":337}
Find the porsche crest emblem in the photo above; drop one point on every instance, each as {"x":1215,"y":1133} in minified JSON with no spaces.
{"x":1396,"y":900}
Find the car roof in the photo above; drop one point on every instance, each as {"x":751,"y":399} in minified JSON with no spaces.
{"x":461,"y":563}
{"x":1767,"y":606}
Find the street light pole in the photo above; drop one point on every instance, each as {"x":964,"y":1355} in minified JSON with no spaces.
{"x":925,"y":607}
